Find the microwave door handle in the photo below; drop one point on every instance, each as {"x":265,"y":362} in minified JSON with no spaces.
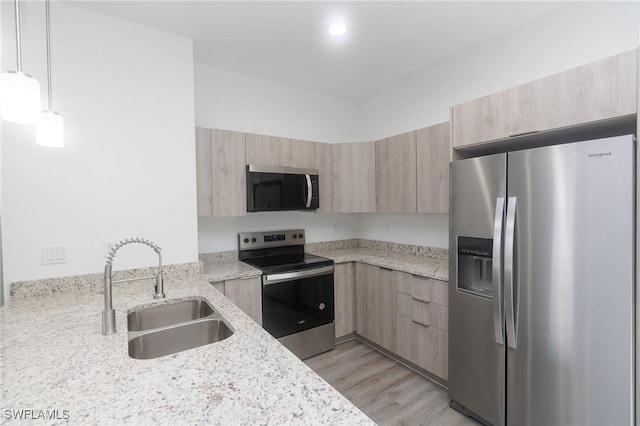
{"x":309,"y":190}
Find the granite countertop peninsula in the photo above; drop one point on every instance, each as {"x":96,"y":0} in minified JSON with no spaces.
{"x":54,"y":357}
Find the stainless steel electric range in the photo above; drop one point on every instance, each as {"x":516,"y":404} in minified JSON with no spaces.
{"x":297,"y":290}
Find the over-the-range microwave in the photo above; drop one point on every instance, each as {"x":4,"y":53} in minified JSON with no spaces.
{"x":281,"y":188}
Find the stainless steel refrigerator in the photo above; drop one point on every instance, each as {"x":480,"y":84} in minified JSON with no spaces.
{"x":542,"y":252}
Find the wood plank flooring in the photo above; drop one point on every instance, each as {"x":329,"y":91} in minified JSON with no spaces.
{"x":386,"y":391}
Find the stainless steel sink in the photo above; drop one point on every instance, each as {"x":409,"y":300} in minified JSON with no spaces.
{"x":170,"y":340}
{"x":169,"y":314}
{"x":166,"y":329}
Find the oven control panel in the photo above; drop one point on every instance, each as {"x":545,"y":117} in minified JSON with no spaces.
{"x":258,"y":240}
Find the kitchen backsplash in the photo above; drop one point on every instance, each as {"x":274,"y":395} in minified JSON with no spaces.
{"x":437,"y":253}
{"x":93,"y":283}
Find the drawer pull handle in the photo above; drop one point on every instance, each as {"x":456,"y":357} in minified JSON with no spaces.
{"x":246,"y":278}
{"x":419,"y":276}
{"x":421,"y":300}
{"x":424,"y":324}
{"x":385,"y":269}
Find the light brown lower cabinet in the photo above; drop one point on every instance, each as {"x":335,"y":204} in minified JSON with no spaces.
{"x":344,"y":299}
{"x":246,"y":294}
{"x":423,"y":322}
{"x":376,"y":305}
{"x":423,"y":344}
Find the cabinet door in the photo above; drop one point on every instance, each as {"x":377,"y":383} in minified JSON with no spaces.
{"x":376,"y":305}
{"x":325,"y":176}
{"x":344,"y":299}
{"x":274,"y":151}
{"x":424,"y":345}
{"x":433,"y":148}
{"x":220,"y":173}
{"x":299,"y":154}
{"x":396,"y":174}
{"x":596,"y":91}
{"x":264,"y":150}
{"x":246,"y":294}
{"x":354,"y":177}
{"x":229,"y":173}
{"x":204,"y":172}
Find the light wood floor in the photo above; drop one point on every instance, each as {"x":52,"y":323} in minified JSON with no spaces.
{"x":386,"y":391}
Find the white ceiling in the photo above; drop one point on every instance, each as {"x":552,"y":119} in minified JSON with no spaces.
{"x":288,"y":42}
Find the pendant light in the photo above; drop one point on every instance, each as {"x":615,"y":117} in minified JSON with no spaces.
{"x":50,"y":129}
{"x":19,"y":92}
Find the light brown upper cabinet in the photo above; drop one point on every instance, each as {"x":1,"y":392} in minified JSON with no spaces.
{"x":220,"y":173}
{"x":354,"y":177}
{"x":325,"y":176}
{"x":396,"y":174}
{"x":274,"y":151}
{"x":433,"y":152}
{"x":596,"y":91}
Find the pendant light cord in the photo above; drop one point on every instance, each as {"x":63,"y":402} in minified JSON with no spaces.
{"x":18,"y":51}
{"x":48,"y":56}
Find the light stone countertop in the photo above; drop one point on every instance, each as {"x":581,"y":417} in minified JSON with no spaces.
{"x":221,"y":270}
{"x":54,"y":357}
{"x":419,"y":265}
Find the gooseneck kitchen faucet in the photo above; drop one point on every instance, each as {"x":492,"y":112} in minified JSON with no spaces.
{"x":108,"y":314}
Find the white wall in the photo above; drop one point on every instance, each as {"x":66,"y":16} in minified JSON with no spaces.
{"x":576,"y":35}
{"x":231,"y":101}
{"x":127,"y":168}
{"x":431,"y":230}
{"x":221,"y":234}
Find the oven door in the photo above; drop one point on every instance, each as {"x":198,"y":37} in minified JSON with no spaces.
{"x":296,"y":301}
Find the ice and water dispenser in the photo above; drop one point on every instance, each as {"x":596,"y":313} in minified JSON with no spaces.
{"x":475,"y":266}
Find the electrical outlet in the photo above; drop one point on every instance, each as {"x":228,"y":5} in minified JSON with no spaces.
{"x":199,"y":237}
{"x":54,"y":254}
{"x":107,"y":246}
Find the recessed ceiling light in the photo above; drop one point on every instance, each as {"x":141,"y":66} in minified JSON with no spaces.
{"x":337,"y":29}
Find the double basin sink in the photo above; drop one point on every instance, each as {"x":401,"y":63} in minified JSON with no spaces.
{"x":166,"y":329}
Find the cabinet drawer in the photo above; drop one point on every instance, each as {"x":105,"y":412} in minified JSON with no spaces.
{"x":426,"y":289}
{"x":423,"y":345}
{"x":423,"y":311}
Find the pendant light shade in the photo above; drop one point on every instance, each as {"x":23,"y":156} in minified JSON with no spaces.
{"x":50,"y":130}
{"x":19,"y":98}
{"x":19,"y":92}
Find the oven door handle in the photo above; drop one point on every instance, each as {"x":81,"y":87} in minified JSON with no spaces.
{"x":291,"y":276}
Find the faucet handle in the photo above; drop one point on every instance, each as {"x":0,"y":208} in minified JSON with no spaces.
{"x":159,"y":286}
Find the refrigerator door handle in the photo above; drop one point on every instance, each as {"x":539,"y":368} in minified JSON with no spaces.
{"x":498,"y":317}
{"x":509,"y":242}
